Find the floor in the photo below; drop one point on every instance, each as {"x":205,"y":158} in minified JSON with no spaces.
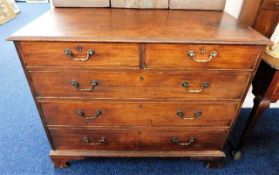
{"x":24,"y":147}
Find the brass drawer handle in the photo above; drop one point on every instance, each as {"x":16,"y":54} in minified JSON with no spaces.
{"x":81,"y":113}
{"x":88,"y":141}
{"x":93,"y":85}
{"x":195,"y":116}
{"x":187,"y":85}
{"x":180,"y":143}
{"x":192,"y":54}
{"x":69,"y":53}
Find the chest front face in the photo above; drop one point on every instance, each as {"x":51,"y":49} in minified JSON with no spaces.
{"x":141,"y":87}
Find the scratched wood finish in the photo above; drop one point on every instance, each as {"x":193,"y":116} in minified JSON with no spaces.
{"x":140,"y":26}
{"x":141,"y":84}
{"x":138,"y":113}
{"x":176,"y":56}
{"x":106,"y":55}
{"x":137,"y":139}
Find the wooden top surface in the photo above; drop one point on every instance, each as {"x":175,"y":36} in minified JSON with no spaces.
{"x":271,"y":61}
{"x":142,"y":26}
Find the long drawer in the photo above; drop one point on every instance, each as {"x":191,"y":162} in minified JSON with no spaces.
{"x":185,"y":56}
{"x":108,"y":113}
{"x":157,"y":139}
{"x":85,"y":55}
{"x":206,"y":85}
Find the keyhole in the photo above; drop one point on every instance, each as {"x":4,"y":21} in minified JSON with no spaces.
{"x":141,"y":78}
{"x":79,"y":48}
{"x":203,"y":50}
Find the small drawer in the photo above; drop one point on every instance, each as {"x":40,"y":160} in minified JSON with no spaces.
{"x":83,"y":55}
{"x":93,"y":139}
{"x":188,"y":139}
{"x":193,"y":85}
{"x":189,"y":57}
{"x":271,"y":4}
{"x":107,"y":113}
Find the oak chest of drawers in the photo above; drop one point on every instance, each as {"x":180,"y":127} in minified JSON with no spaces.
{"x":138,"y":83}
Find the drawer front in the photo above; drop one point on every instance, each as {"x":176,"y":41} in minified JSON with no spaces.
{"x":156,"y":139}
{"x":93,"y":139}
{"x":141,"y":84}
{"x":182,"y":56}
{"x":96,"y":55}
{"x":271,"y":4}
{"x":182,"y":139}
{"x":104,"y":113}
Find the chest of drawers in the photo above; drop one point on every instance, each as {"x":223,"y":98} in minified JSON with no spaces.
{"x":138,"y":83}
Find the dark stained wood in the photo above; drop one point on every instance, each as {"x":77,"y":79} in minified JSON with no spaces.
{"x":271,"y":4}
{"x":138,"y":113}
{"x":262,"y":15}
{"x":266,"y":82}
{"x":106,"y":55}
{"x":141,"y":84}
{"x":175,"y":56}
{"x":261,"y":104}
{"x":267,"y":21}
{"x":140,"y":26}
{"x":146,"y":139}
{"x":63,"y":161}
{"x":215,"y":163}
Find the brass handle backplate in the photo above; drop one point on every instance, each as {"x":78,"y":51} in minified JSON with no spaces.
{"x":88,"y":141}
{"x":93,"y":85}
{"x":180,"y":143}
{"x":195,"y":116}
{"x":187,"y":85}
{"x":81,"y":113}
{"x":192,"y":54}
{"x":68,"y":52}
